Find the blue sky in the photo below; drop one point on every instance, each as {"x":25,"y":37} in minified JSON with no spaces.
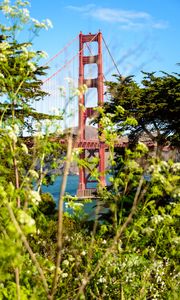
{"x":141,"y":34}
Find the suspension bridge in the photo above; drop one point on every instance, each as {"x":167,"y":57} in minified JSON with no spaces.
{"x":84,"y":69}
{"x":88,"y":67}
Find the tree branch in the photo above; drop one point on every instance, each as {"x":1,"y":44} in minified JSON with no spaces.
{"x":60,"y":215}
{"x":16,"y":271}
{"x":27,"y":246}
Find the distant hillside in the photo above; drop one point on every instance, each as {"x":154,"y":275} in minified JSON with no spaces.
{"x":91,"y":132}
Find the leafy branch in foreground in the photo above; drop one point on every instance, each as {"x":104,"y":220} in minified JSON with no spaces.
{"x":20,"y":72}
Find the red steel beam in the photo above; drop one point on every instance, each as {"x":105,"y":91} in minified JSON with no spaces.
{"x":97,"y":83}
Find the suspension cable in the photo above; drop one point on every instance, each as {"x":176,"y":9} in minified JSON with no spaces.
{"x":111,"y":57}
{"x":69,"y":61}
{"x":61,"y":51}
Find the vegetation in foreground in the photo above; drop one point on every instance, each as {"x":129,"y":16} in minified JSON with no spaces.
{"x":133,"y":253}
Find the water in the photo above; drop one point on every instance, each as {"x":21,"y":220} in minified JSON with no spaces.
{"x":54,"y":189}
{"x":71,"y":188}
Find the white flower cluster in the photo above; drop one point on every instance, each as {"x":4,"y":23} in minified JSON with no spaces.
{"x":12,"y":135}
{"x":25,"y":219}
{"x":83,"y":253}
{"x":24,"y":53}
{"x":31,"y":66}
{"x":71,"y":258}
{"x":46,"y":24}
{"x":38,"y":135}
{"x":43,"y":54}
{"x":4,"y":45}
{"x":176,"y":193}
{"x":163,"y":165}
{"x":47,"y":123}
{"x":3,"y":57}
{"x":12,"y":132}
{"x":102,"y":280}
{"x":34,"y":174}
{"x":176,"y":167}
{"x":148,"y":230}
{"x":25,"y":13}
{"x":159,"y":267}
{"x":156,"y":219}
{"x":65,"y":263}
{"x":75,"y":153}
{"x":16,"y":11}
{"x":19,"y":12}
{"x":158,"y":177}
{"x":6,"y":9}
{"x":24,"y":148}
{"x":34,"y":196}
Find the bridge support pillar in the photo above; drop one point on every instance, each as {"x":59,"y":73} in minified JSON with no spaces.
{"x":84,"y":189}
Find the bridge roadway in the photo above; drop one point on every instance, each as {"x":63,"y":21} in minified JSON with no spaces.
{"x":93,"y":144}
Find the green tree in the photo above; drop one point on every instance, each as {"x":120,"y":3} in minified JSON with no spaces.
{"x":20,"y":69}
{"x":149,"y":112}
{"x":155,"y":104}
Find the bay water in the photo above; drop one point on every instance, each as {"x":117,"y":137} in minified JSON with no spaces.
{"x":54,"y":189}
{"x":71,"y":188}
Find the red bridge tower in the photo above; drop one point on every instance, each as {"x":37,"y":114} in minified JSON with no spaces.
{"x":88,"y":147}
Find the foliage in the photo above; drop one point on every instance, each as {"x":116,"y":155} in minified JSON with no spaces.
{"x":19,"y":66}
{"x":22,"y":170}
{"x":161,"y":183}
{"x":154,"y":104}
{"x":142,"y":265}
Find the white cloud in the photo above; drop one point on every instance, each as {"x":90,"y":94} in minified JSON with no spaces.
{"x":127,"y":19}
{"x":121,"y":16}
{"x":83,"y":9}
{"x":160,"y":25}
{"x":132,"y":26}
